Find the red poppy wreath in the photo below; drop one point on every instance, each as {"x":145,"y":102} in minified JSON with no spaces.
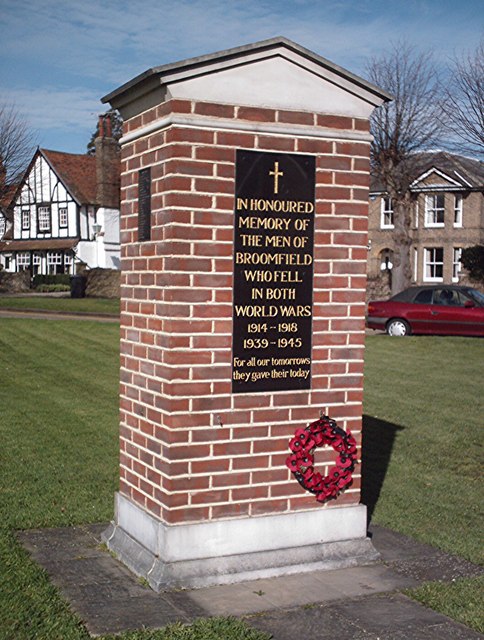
{"x":320,"y":433}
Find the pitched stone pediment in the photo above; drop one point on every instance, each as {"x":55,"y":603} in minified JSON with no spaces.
{"x":271,"y":74}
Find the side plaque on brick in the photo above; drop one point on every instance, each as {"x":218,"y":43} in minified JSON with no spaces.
{"x":273,"y":271}
{"x":144,"y":204}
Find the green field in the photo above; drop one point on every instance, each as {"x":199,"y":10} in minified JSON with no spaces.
{"x":59,"y":424}
{"x":424,"y":403}
{"x":63,"y":304}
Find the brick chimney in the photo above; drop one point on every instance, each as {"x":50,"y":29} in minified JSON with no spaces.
{"x":107,"y":165}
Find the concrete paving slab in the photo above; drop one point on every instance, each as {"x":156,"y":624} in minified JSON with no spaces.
{"x":316,"y":622}
{"x":376,"y":617}
{"x":394,"y":546}
{"x":298,"y":589}
{"x":358,"y":603}
{"x":361,"y":581}
{"x":232,"y":599}
{"x":420,"y":561}
{"x":54,"y":545}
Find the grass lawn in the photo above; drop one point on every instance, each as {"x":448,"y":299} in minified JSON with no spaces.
{"x":423,"y":437}
{"x":424,"y":407}
{"x":59,"y":424}
{"x":64,"y":304}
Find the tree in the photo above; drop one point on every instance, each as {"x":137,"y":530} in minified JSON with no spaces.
{"x":400,"y":128}
{"x":116,"y":129}
{"x":472,"y":260}
{"x":17,"y":144}
{"x":463,"y":105}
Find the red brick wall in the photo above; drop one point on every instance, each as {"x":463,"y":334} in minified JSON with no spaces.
{"x":190,"y":450}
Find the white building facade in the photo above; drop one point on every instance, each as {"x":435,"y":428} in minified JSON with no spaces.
{"x":65,"y":213}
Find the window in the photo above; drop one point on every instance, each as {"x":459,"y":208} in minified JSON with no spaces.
{"x":54,"y":262}
{"x":43,"y":219}
{"x":25,"y":219}
{"x":447,"y":297}
{"x":434,"y":210}
{"x":386,"y":220}
{"x":456,"y":264}
{"x":23,"y":261}
{"x":424,"y":297}
{"x":433,"y":264}
{"x":36,"y":262}
{"x":2,"y":226}
{"x":458,"y":210}
{"x":63,"y":217}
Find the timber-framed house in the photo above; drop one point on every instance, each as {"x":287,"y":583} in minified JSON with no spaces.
{"x":65,"y":212}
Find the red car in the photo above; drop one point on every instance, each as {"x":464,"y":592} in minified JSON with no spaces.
{"x":439,"y":309}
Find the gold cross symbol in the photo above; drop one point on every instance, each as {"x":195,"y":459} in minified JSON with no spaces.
{"x":276,"y":173}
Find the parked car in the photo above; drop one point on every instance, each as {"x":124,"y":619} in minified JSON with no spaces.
{"x":439,"y":309}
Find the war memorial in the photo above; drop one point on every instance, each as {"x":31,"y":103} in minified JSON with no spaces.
{"x":244,"y":193}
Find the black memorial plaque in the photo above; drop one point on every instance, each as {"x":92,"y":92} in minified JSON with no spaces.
{"x":273,"y":271}
{"x":144,"y":204}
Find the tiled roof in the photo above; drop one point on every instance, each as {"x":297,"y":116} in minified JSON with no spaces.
{"x":457,"y":167}
{"x":77,"y":172}
{"x":7,"y":198}
{"x":55,"y":244}
{"x":453,"y":165}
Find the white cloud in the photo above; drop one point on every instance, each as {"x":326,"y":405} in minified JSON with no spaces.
{"x":60,"y":57}
{"x":58,"y":109}
{"x":113,"y":40}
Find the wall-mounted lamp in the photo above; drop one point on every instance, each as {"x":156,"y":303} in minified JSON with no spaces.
{"x":96,"y":230}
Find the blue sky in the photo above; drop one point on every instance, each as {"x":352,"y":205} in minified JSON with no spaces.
{"x":58,"y":58}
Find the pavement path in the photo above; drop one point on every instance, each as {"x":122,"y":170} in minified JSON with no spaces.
{"x":359,"y":603}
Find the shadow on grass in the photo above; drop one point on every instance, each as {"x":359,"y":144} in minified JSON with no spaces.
{"x":378,"y":440}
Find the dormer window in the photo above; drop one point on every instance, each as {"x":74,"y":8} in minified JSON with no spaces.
{"x":2,"y":226}
{"x":43,"y":219}
{"x":386,"y":220}
{"x":434,"y":210}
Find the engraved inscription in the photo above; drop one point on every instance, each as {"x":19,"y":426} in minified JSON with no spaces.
{"x":273,"y":271}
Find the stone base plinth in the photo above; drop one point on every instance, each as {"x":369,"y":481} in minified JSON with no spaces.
{"x":226,"y":551}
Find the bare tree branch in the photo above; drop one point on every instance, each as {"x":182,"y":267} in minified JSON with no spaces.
{"x":17,"y":144}
{"x":464,"y":101}
{"x":412,"y":122}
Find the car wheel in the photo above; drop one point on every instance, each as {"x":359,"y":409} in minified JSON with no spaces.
{"x":398,"y":327}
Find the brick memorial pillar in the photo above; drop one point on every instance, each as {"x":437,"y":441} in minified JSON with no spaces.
{"x":244,"y":242}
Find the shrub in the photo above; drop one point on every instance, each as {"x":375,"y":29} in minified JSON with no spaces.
{"x":14,"y":282}
{"x":472,"y":260}
{"x":59,"y":278}
{"x":51,"y":288}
